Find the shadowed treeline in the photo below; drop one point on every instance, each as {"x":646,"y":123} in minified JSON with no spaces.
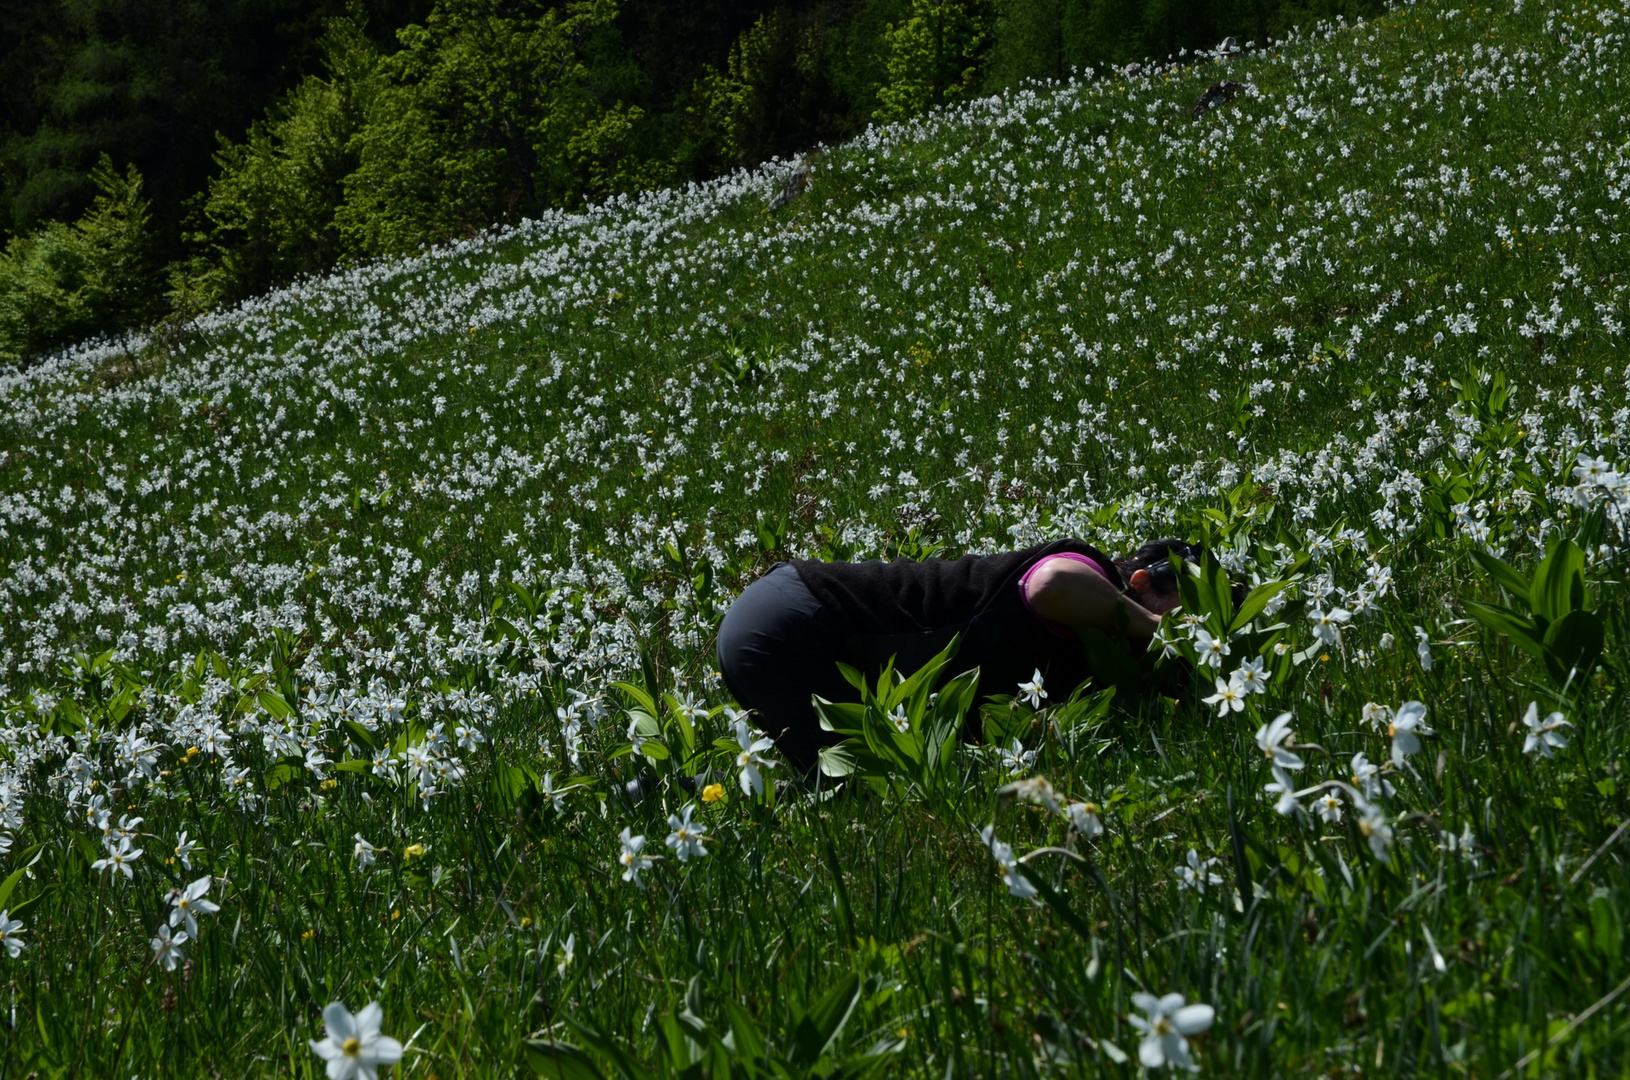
{"x":159,"y":158}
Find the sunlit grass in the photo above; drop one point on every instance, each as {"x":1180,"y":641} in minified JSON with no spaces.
{"x":1069,"y":311}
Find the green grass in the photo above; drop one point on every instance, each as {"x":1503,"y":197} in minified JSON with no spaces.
{"x":1044,"y":315}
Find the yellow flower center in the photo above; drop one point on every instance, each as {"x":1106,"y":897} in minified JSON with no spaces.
{"x":352,"y":1046}
{"x":1392,"y":731}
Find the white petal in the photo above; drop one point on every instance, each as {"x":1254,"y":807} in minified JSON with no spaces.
{"x":1149,"y":1052}
{"x":369,"y":1020}
{"x":1176,"y":1050}
{"x":1171,"y":1003}
{"x":1409,"y":714}
{"x":1148,"y":1003}
{"x":383,"y":1050}
{"x":1191,"y":1019}
{"x":339,"y":1023}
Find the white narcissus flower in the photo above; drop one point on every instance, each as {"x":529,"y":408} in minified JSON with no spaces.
{"x":1408,"y":724}
{"x":752,"y":759}
{"x":10,"y":929}
{"x":1373,"y":824}
{"x":1036,"y":790}
{"x":1197,"y":874}
{"x":1253,"y":676}
{"x":167,"y":947}
{"x":1543,"y":735}
{"x":1017,"y":884}
{"x":353,"y":1046}
{"x":1328,"y":807}
{"x":686,"y":837}
{"x":1285,"y":788}
{"x":1377,"y":716}
{"x":1032,"y":691}
{"x":1423,"y":648}
{"x":1327,"y":624}
{"x":119,"y":859}
{"x":633,"y":863}
{"x":365,"y":852}
{"x":1015,"y":758}
{"x":1230,"y":696}
{"x":1274,"y":738}
{"x":1166,"y":1028}
{"x":1368,"y":779}
{"x":1210,"y":649}
{"x":186,"y":904}
{"x":1086,"y":819}
{"x":183,"y":851}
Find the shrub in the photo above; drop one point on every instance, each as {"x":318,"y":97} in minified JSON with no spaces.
{"x":65,"y":282}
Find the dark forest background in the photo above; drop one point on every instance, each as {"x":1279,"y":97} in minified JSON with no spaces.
{"x":158,"y":157}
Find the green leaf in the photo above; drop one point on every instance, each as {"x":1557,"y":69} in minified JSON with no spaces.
{"x":840,"y":717}
{"x":816,"y":1030}
{"x":1255,"y":602}
{"x":1522,"y":632}
{"x":836,"y":760}
{"x":361,"y":734}
{"x":274,"y":705}
{"x":639,"y":696}
{"x":1559,"y":582}
{"x":1503,"y":575}
{"x":746,"y":1039}
{"x":559,"y":1060}
{"x":1574,"y":642}
{"x":609,"y":1048}
{"x":10,"y":884}
{"x":278,"y":775}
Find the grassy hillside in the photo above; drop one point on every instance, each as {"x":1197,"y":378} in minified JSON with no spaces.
{"x":390,"y":559}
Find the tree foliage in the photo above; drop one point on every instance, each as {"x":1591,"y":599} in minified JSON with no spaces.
{"x":71,"y":281}
{"x":387,"y":125}
{"x":489,"y":111}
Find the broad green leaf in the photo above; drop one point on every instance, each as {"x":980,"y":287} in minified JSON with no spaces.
{"x":745,"y":1037}
{"x":1522,"y":632}
{"x":836,"y":760}
{"x":1255,"y":602}
{"x":559,"y":1061}
{"x":10,"y":884}
{"x":1059,"y":904}
{"x":1574,"y":642}
{"x":1559,"y":582}
{"x":361,"y":734}
{"x":1503,"y":575}
{"x":816,"y":1030}
{"x":640,"y":697}
{"x":273,"y":704}
{"x":278,"y":775}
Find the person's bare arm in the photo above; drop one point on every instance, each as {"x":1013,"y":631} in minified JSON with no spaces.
{"x":1073,"y":593}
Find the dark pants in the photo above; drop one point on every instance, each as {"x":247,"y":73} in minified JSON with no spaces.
{"x":778,"y":645}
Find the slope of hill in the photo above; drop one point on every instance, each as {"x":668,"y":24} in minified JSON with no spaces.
{"x":364,"y":558}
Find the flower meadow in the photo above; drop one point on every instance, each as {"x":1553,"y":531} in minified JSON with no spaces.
{"x":355,"y":640}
